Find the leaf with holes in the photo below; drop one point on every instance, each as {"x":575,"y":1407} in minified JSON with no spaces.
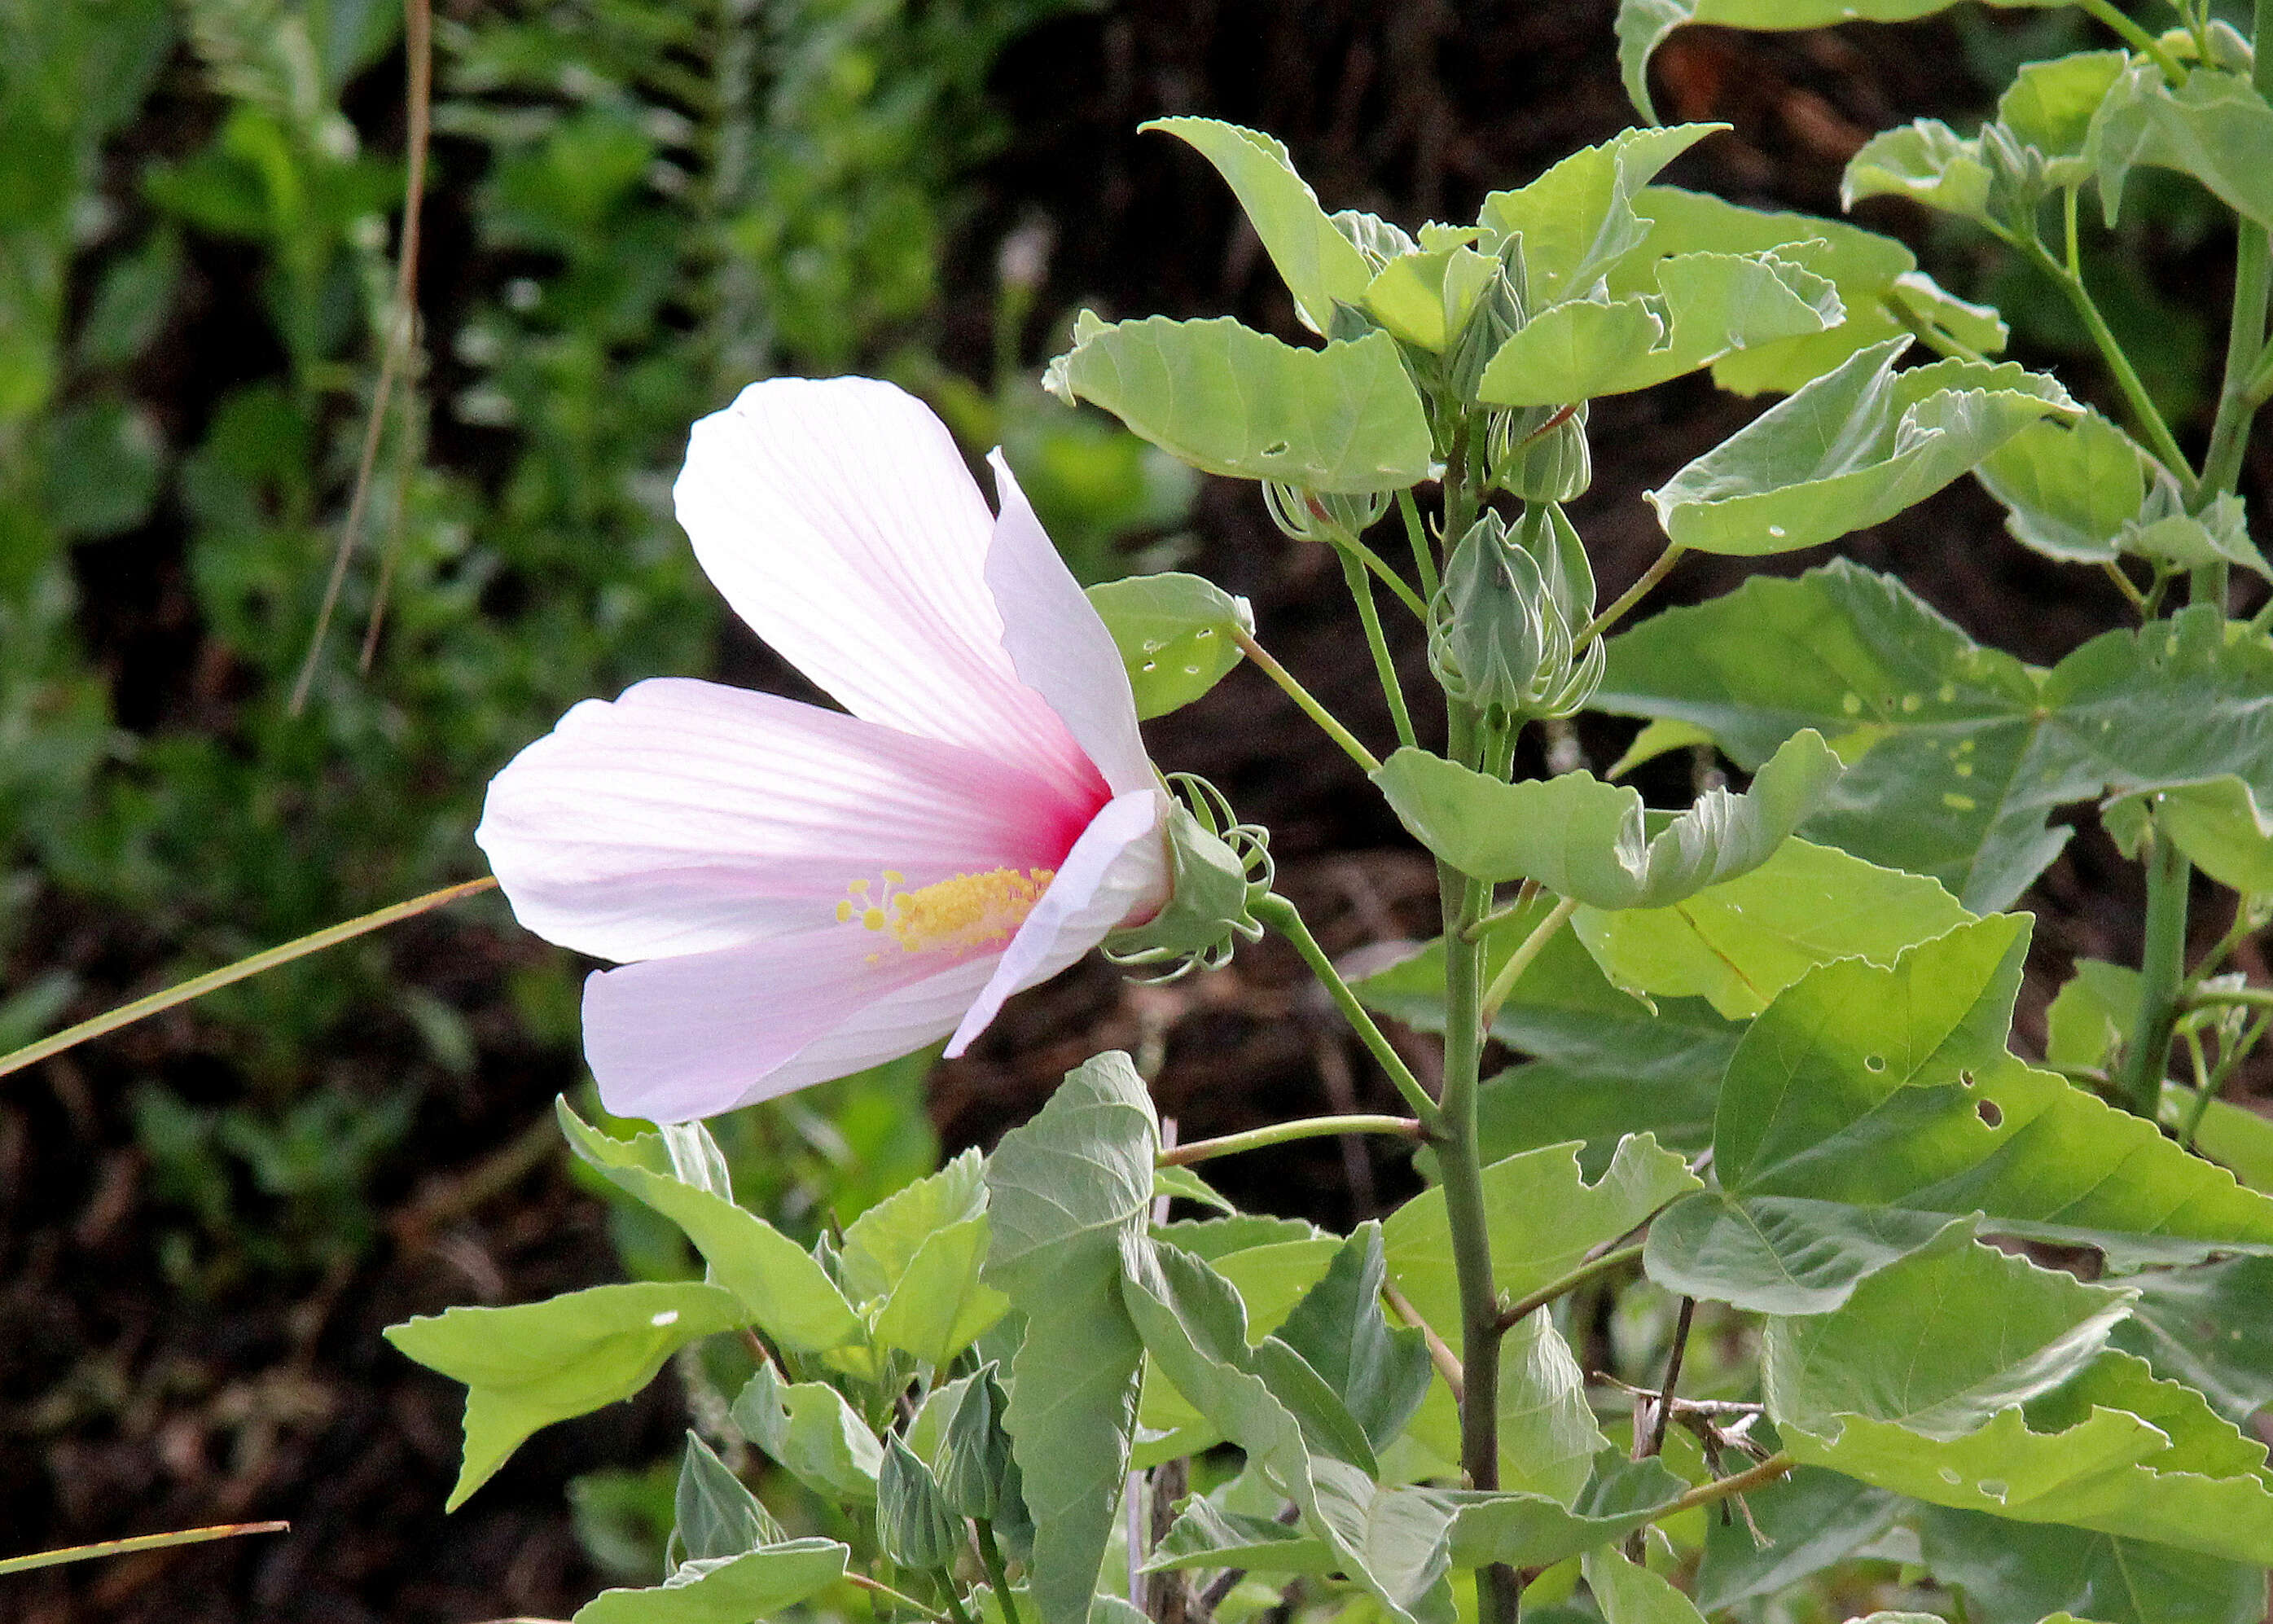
{"x":1176,"y":634}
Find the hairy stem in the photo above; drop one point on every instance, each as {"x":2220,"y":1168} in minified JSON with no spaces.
{"x":1286,"y":1132}
{"x":1282,"y":916}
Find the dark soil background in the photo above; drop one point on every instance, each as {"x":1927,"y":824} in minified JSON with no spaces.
{"x":124,"y":1406}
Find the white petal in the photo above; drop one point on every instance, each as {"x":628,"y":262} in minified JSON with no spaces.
{"x":1118,"y":869}
{"x":686,"y":817}
{"x":838,"y":519}
{"x":674,"y":1039}
{"x":1057,"y":642}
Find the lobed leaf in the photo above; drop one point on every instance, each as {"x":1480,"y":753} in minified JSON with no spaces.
{"x":1582,"y":838}
{"x":1231,"y":401}
{"x":529,"y":1365}
{"x":2216,"y":127}
{"x":1850,"y":449}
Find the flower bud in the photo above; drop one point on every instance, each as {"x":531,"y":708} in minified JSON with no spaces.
{"x":1497,"y":314}
{"x":914,"y":1523}
{"x":1320,"y":515}
{"x":1540,"y":453}
{"x":976,"y":1472}
{"x":1218,"y":870}
{"x":1510,"y":607}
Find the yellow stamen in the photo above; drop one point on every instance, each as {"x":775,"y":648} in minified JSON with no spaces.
{"x":968,"y":912}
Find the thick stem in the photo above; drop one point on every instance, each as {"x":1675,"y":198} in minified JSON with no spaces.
{"x":2139,"y":1079}
{"x":2136,"y":37}
{"x":1301,"y":696}
{"x":1281,"y":915}
{"x":1498,"y":1591}
{"x":1286,"y":1132}
{"x":1360,"y":591}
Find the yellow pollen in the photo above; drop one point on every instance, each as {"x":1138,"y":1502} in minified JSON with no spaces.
{"x":955,"y":915}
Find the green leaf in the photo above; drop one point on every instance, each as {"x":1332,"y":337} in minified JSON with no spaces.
{"x":2013,"y":1571}
{"x":2069,"y":487}
{"x":1175,"y":634}
{"x":716,"y":1515}
{"x":1925,"y":161}
{"x":1543,"y":1218}
{"x":2233,"y":1136}
{"x":1811,"y":1519}
{"x":2211,"y":1327}
{"x":1338,"y":1329}
{"x":1876,"y":278}
{"x":1531,"y":1530}
{"x":726,"y":1590}
{"x":1067,"y":1192}
{"x":1549,"y":1438}
{"x":537,"y":1363}
{"x":1852,"y":448}
{"x":1937,"y":1344}
{"x":1918,"y":1385}
{"x":1321,"y":266}
{"x":881,"y":1244}
{"x":1183,"y":1185}
{"x":103,"y":461}
{"x":1704,"y":306}
{"x":2050,"y":105}
{"x":1390,"y":1540}
{"x":1739,"y":944}
{"x":1582,"y":838}
{"x":1628,"y":1593}
{"x":1644,"y":24}
{"x":2091,"y":1015}
{"x":1577,"y":221}
{"x":1958,"y":754}
{"x":810,"y":1430}
{"x":788,"y":1294}
{"x":1206,"y":1534}
{"x":1869,"y":1106}
{"x":940,"y":1306}
{"x":1426,"y":298}
{"x":1231,"y":401}
{"x":2216,"y":127}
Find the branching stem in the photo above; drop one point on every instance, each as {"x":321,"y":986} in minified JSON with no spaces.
{"x":1384,"y":667}
{"x":1564,"y":1285}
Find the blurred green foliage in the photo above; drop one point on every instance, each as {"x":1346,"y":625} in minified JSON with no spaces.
{"x":633,"y":210}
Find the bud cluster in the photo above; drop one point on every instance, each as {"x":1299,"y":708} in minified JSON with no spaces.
{"x":1512,"y":606}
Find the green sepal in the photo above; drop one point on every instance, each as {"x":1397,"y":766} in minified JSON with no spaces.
{"x":914,"y":1523}
{"x":1218,"y":870}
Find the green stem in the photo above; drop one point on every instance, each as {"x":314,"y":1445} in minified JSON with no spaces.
{"x":1632,"y":595}
{"x":1300,"y":695}
{"x":1498,"y":1590}
{"x":1511,"y":972}
{"x":1361,"y":591}
{"x":1282,"y":916}
{"x":212,"y":980}
{"x":1500,"y":915}
{"x":2137,"y":38}
{"x":1564,"y":1285}
{"x":1284,"y":1132}
{"x":1390,"y":578}
{"x":2216,"y":1085}
{"x":2237,"y":997}
{"x":2143,"y":410}
{"x":877,"y":1587}
{"x":141,"y":1542}
{"x":2139,"y":1078}
{"x":1416,"y":535}
{"x":1721,"y":1488}
{"x":999,"y":1576}
{"x":954,"y":1602}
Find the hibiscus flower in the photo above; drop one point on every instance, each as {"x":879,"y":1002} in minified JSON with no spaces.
{"x":793,"y":893}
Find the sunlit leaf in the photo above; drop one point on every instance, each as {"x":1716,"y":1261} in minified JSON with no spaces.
{"x":1231,"y":401}
{"x":1577,"y":221}
{"x":529,"y":1365}
{"x":2069,"y":487}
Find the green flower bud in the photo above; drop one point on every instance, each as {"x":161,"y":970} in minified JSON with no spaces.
{"x":1540,"y":454}
{"x":976,"y":1472}
{"x":1510,"y":608}
{"x":914,"y":1523}
{"x":1319,"y":516}
{"x":1498,"y":314}
{"x":1219,"y":868}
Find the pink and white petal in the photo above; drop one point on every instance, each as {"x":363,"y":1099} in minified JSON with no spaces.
{"x":1117,"y":870}
{"x":685,"y":817}
{"x":837,"y":518}
{"x":674,"y":1039}
{"x":1059,"y":647}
